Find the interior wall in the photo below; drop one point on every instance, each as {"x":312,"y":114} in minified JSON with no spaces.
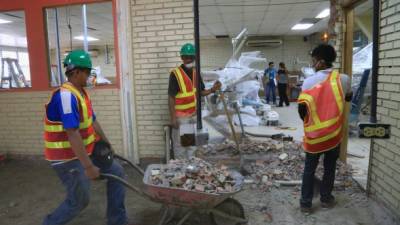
{"x":384,"y":176}
{"x":216,"y":52}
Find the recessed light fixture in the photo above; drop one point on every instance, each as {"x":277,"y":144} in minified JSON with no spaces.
{"x":88,"y":38}
{"x":4,"y":21}
{"x":302,"y":26}
{"x":323,"y":14}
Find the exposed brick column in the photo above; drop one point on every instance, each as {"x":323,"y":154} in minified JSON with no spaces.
{"x":385,"y":161}
{"x":160,"y":27}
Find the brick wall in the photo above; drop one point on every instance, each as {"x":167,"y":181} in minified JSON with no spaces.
{"x":21,"y":119}
{"x":159,"y":28}
{"x":337,"y":33}
{"x":384,"y":175}
{"x":216,"y":52}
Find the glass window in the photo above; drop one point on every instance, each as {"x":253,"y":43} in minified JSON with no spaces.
{"x":14,"y":57}
{"x":68,"y":21}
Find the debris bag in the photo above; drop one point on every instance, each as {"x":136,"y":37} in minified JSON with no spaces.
{"x":253,"y":62}
{"x":362,"y":59}
{"x":251,"y":102}
{"x":248,"y":89}
{"x":247,"y":120}
{"x":208,"y":76}
{"x":257,"y":54}
{"x":249,"y":110}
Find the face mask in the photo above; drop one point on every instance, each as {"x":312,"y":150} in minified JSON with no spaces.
{"x":189,"y":65}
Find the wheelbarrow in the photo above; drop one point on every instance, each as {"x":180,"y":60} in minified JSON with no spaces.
{"x":221,"y":208}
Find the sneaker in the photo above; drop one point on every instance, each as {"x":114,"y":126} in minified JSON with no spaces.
{"x":328,"y":205}
{"x":306,"y":210}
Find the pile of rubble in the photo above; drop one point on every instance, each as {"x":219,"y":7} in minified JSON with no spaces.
{"x":196,"y":175}
{"x":247,"y":146}
{"x":287,"y":168}
{"x":273,"y":163}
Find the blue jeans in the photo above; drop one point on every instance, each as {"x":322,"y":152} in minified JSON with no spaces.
{"x":73,"y":177}
{"x":270,"y":87}
{"x":310,"y":165}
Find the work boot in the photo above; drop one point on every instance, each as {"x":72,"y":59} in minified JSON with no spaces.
{"x":329,"y":204}
{"x":306,"y":210}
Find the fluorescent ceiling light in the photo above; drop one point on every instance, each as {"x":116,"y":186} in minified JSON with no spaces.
{"x":323,"y":14}
{"x":88,"y":38}
{"x":4,"y":21}
{"x":302,"y":26}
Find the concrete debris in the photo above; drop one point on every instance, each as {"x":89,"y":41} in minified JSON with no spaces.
{"x":246,"y":147}
{"x":155,"y":172}
{"x":264,"y":179}
{"x":196,"y":175}
{"x":271,"y":163}
{"x":287,"y":169}
{"x":283,"y":156}
{"x":248,"y":181}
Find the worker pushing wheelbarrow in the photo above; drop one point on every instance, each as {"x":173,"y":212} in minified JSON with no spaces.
{"x":220,"y":207}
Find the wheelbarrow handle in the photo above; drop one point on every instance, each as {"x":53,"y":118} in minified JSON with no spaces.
{"x":121,"y":180}
{"x":136,"y":167}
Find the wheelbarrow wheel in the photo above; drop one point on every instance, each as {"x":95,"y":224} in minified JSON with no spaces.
{"x":230,"y":207}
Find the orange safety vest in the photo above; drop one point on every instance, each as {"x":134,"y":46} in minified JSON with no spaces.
{"x":57,"y":146}
{"x":324,"y":120}
{"x":185,"y":100}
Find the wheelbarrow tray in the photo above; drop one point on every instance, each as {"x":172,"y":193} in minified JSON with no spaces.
{"x":181,"y":197}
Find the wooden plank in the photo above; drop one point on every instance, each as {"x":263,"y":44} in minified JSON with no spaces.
{"x":347,"y":59}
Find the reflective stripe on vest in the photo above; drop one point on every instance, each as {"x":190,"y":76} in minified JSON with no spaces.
{"x":185,"y":100}
{"x":57,"y":146}
{"x":323,"y":124}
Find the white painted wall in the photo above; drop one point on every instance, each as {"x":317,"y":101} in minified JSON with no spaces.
{"x":216,"y":52}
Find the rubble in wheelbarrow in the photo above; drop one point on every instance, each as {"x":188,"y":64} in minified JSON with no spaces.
{"x":196,"y":175}
{"x":271,"y":163}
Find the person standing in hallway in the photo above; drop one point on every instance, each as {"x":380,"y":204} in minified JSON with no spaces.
{"x":269,"y":80}
{"x":72,"y":135}
{"x":283,"y":79}
{"x":321,"y":107}
{"x":182,"y":91}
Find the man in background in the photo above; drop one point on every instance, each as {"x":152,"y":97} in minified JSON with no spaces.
{"x":269,"y":83}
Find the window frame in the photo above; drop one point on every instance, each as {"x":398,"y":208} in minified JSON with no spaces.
{"x":37,"y":45}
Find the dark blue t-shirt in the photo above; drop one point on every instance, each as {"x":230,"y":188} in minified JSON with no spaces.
{"x":63,"y":107}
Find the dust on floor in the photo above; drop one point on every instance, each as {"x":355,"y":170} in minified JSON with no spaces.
{"x":28,"y":191}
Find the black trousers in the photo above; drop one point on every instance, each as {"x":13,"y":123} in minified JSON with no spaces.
{"x":311,"y":163}
{"x":282,"y":94}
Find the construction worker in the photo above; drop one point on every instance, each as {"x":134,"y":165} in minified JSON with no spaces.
{"x":71,"y":133}
{"x":321,"y":105}
{"x":182,"y":98}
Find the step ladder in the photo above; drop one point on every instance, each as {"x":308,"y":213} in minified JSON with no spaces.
{"x":15,"y":75}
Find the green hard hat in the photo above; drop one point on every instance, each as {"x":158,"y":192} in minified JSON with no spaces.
{"x":78,"y":59}
{"x":188,"y":49}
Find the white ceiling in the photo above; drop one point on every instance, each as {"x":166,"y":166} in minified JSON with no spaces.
{"x":99,"y":20}
{"x":260,"y":17}
{"x":217,"y":17}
